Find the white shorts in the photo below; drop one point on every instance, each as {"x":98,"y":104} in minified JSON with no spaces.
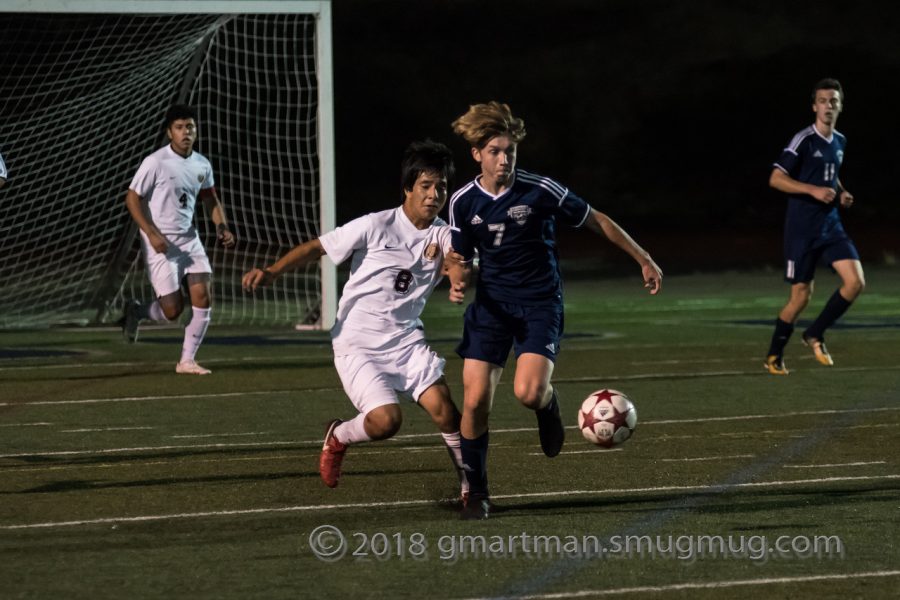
{"x":184,"y":255}
{"x":373,"y":380}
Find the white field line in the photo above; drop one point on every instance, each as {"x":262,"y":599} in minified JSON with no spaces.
{"x":402,"y":503}
{"x":597,"y":450}
{"x":705,"y":458}
{"x":850,"y":464}
{"x":409,"y":436}
{"x":105,"y":429}
{"x":212,"y":435}
{"x":712,"y":585}
{"x":176,"y":397}
{"x":518,"y":430}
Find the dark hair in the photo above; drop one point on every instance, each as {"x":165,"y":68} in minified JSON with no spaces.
{"x":423,"y":157}
{"x":177,"y":112}
{"x":828,"y":84}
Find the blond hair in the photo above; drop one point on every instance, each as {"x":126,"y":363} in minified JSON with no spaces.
{"x":483,"y":122}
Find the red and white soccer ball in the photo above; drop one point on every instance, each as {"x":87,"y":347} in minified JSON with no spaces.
{"x":607,"y":418}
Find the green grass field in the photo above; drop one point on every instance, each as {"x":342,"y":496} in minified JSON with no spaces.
{"x":122,"y":479}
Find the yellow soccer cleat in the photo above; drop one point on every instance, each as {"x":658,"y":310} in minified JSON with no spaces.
{"x":775,"y":365}
{"x":819,"y":350}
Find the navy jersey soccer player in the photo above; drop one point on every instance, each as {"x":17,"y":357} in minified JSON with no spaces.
{"x":510,"y":218}
{"x":515,"y":234}
{"x":812,"y":227}
{"x":808,"y":171}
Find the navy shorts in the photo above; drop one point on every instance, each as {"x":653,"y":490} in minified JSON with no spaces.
{"x":491,"y":328}
{"x":801,"y":261}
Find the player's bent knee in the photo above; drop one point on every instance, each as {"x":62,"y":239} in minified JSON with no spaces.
{"x":383,"y":422}
{"x":531,"y":396}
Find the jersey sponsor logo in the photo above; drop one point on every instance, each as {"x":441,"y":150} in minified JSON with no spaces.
{"x":817,"y":154}
{"x":519,"y":214}
{"x":476,"y":220}
{"x":551,"y":347}
{"x":431,"y":251}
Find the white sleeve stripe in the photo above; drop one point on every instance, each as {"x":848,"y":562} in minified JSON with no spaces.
{"x":452,"y":228}
{"x":544,"y":182}
{"x":777,"y":166}
{"x":797,"y":139}
{"x":453,"y":199}
{"x":580,"y":223}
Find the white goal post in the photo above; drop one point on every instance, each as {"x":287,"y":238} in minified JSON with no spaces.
{"x":84,"y":87}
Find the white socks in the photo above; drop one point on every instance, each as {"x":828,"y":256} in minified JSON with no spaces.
{"x":451,"y":440}
{"x":352,"y":431}
{"x":193,"y":332}
{"x":154,"y":312}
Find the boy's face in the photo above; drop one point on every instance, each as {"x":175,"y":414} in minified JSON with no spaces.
{"x":427,"y":197}
{"x":183,"y":134}
{"x":827,"y":106}
{"x":497,"y":159}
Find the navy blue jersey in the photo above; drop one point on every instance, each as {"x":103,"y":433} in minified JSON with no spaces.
{"x":811,"y":158}
{"x":515,"y":236}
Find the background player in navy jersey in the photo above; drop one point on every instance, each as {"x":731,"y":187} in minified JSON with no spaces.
{"x":808,"y":172}
{"x":510,"y":216}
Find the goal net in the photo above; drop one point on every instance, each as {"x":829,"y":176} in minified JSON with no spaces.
{"x":83,"y":94}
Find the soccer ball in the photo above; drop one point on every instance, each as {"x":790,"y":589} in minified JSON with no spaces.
{"x":607,"y":418}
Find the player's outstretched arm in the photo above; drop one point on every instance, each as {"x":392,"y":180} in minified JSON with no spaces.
{"x":141,"y":216}
{"x":299,"y":256}
{"x":650,"y":271}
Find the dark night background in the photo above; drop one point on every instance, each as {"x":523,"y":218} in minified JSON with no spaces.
{"x":665,"y":115}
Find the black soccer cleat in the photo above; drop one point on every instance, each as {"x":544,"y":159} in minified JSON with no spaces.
{"x":550,"y":427}
{"x":130,"y":321}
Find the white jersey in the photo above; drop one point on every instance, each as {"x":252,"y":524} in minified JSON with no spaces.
{"x":393,"y":272}
{"x":3,"y":173}
{"x":170,"y":183}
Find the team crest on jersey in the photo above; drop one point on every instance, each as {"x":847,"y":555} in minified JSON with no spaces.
{"x":840,"y":156}
{"x":200,"y":178}
{"x":431,"y":251}
{"x":519,"y":214}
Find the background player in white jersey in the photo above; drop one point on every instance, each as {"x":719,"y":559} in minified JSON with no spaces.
{"x":397,"y":257}
{"x":161,"y":199}
{"x":509,"y":216}
{"x":808,"y":171}
{"x":3,"y":173}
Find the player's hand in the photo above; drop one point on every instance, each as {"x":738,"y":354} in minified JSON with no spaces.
{"x":457,"y":292}
{"x":224,"y":235}
{"x":824,"y":194}
{"x":255,"y":278}
{"x":846,"y":199}
{"x":159,"y":243}
{"x":652,"y":277}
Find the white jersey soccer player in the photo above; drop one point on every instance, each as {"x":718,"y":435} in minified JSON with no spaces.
{"x":397,"y":258}
{"x":171,"y":183}
{"x":162,"y":198}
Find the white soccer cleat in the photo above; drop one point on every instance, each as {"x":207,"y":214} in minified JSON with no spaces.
{"x":189,"y":367}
